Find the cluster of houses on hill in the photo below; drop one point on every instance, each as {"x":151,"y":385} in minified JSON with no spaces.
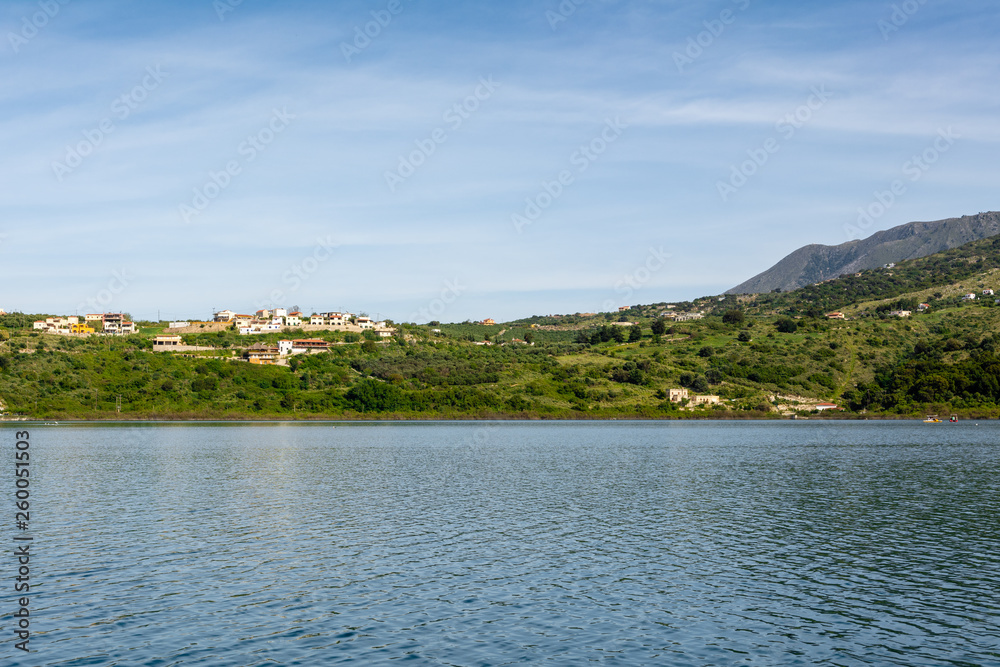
{"x":270,"y":321}
{"x":971,"y":296}
{"x":110,"y":324}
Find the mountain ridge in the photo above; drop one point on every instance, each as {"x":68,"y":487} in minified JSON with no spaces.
{"x":815,"y":263}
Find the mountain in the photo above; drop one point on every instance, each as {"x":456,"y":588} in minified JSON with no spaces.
{"x":815,"y":263}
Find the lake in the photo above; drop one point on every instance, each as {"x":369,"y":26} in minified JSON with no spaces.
{"x":619,"y":543}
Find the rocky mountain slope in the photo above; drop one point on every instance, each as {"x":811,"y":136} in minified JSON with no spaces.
{"x":815,"y":263}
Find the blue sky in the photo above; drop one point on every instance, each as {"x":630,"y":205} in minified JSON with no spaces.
{"x":484,"y":159}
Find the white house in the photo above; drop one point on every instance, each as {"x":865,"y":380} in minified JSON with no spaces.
{"x":969,"y":297}
{"x":162,"y":342}
{"x":677,"y":395}
{"x":224,"y":316}
{"x":316,"y":320}
{"x":365,"y":322}
{"x":284,"y":347}
{"x":280,"y":312}
{"x":293,"y":320}
{"x":987,"y":292}
{"x":705,"y":400}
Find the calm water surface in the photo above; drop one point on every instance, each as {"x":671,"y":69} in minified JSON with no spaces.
{"x":491,"y":544}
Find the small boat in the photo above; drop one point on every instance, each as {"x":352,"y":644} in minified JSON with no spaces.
{"x":953,"y":420}
{"x":932,"y":419}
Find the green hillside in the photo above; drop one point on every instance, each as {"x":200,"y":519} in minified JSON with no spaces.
{"x":764,"y":356}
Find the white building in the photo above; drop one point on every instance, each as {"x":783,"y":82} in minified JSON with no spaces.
{"x":705,"y":400}
{"x":284,"y":347}
{"x":163,"y":342}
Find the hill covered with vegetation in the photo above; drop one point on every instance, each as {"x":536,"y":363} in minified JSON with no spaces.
{"x":764,"y":356}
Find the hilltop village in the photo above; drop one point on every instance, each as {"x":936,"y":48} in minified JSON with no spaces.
{"x":264,"y":321}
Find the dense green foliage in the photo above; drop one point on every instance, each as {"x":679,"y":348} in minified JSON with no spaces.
{"x":762,"y":356}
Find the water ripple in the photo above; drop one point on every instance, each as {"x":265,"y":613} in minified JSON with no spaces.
{"x":623,"y":544}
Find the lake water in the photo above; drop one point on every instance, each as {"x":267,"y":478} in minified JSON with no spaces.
{"x":620,"y":543}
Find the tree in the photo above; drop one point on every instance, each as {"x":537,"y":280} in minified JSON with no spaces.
{"x":529,"y":337}
{"x":786,"y":325}
{"x":744,"y":337}
{"x":374,"y":396}
{"x":659,"y":326}
{"x":635,"y":333}
{"x":733,"y":317}
{"x":706,"y":351}
{"x":700,"y":384}
{"x":618,"y":335}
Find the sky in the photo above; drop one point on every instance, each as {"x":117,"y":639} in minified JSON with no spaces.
{"x":427,"y":161}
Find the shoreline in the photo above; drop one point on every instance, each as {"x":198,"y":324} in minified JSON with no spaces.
{"x":390,"y":419}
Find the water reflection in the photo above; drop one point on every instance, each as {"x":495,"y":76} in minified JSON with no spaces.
{"x":468,"y":544}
